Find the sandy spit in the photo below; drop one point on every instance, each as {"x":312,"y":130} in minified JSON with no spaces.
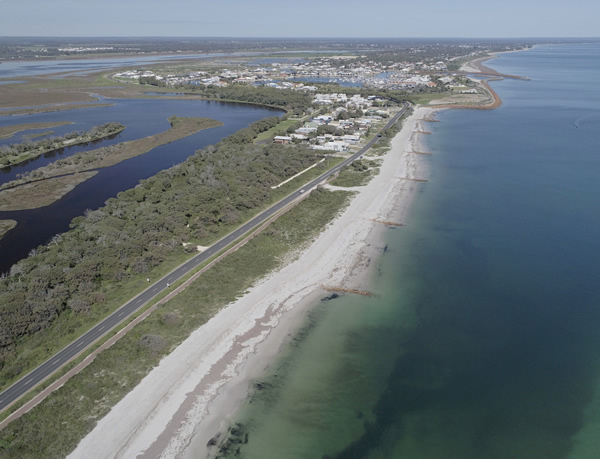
{"x":191,"y":395}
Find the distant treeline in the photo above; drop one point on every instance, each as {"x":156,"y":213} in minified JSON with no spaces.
{"x":410,"y":49}
{"x":214,"y":190}
{"x":296,"y":102}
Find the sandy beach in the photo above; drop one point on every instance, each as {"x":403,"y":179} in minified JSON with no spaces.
{"x":194,"y":391}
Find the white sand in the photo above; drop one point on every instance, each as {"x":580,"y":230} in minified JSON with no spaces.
{"x":189,"y":396}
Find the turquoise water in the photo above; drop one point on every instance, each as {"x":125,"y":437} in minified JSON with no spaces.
{"x":484,"y":341}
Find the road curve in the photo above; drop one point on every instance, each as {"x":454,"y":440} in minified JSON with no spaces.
{"x":32,"y":379}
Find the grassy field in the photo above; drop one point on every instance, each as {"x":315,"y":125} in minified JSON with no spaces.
{"x":54,"y":427}
{"x":6,"y":132}
{"x":281,"y":127}
{"x":41,"y":193}
{"x":6,"y":226}
{"x":424,"y":99}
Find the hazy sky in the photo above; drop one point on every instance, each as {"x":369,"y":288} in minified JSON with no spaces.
{"x":307,"y":18}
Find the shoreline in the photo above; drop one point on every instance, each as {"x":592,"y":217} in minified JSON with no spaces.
{"x":191,"y":395}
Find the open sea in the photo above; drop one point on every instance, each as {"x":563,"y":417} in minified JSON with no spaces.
{"x":484,"y":340}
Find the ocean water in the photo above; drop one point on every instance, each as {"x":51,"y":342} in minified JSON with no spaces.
{"x":484,"y":341}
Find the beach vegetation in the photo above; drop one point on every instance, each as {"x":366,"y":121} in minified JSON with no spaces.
{"x":357,"y":173}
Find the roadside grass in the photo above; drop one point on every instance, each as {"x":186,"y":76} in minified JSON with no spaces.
{"x":137,"y":284}
{"x":55,"y":426}
{"x":281,"y":127}
{"x":278,"y":194}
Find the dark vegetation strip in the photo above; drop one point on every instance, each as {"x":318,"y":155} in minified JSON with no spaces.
{"x":17,"y":153}
{"x":54,"y":427}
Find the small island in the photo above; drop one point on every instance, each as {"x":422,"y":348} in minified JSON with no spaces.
{"x":17,"y":153}
{"x":45,"y":185}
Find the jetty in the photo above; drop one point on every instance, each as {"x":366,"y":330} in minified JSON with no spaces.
{"x":347,"y":290}
{"x":388,"y":223}
{"x":412,"y":179}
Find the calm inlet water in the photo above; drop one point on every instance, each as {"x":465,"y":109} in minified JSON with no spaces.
{"x":485,"y":339}
{"x":142,"y":117}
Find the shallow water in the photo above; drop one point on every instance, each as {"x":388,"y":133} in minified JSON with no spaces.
{"x":485,"y":338}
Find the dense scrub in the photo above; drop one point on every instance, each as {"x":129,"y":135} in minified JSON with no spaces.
{"x":72,"y":276}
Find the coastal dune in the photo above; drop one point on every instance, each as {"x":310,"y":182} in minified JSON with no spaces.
{"x":189,"y":397}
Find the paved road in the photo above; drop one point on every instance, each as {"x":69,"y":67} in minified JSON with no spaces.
{"x":19,"y":388}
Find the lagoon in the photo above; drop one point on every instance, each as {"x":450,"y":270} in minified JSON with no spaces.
{"x":142,"y":117}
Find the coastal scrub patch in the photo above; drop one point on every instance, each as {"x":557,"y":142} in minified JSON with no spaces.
{"x":357,"y":173}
